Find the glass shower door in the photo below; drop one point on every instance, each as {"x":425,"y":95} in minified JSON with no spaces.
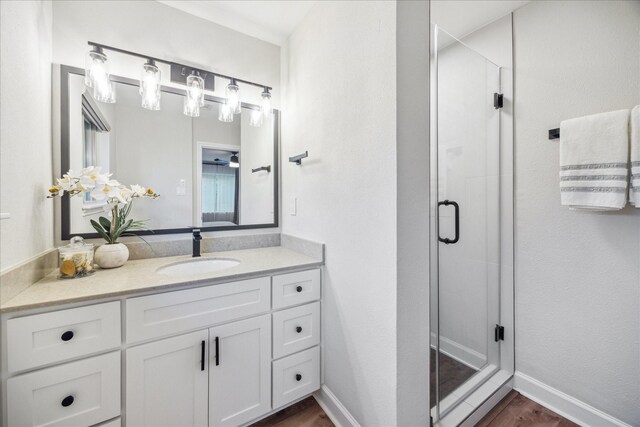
{"x":465,"y":290}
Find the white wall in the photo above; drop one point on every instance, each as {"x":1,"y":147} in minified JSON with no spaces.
{"x":152,"y":28}
{"x":25,"y":148}
{"x":577,"y":273}
{"x":256,"y":189}
{"x":340,"y":105}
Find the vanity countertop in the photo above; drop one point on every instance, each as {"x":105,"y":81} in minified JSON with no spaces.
{"x":141,"y":276}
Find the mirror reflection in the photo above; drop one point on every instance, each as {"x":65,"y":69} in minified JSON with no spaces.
{"x":210,"y":173}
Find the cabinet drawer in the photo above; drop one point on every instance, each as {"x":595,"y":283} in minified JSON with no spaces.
{"x":80,"y":393}
{"x":172,"y":312}
{"x":296,"y":288}
{"x":295,"y":329}
{"x":61,"y":335}
{"x":296,"y":376}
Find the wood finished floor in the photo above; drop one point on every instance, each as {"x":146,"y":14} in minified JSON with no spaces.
{"x":515,"y":410}
{"x":452,"y":375}
{"x":306,"y":413}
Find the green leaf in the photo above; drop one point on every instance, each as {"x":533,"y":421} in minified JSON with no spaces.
{"x":105,"y":223}
{"x":101,"y":231}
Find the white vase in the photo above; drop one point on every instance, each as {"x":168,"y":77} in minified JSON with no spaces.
{"x":111,"y":255}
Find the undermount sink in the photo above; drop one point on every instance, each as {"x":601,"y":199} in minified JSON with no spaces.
{"x":197,"y":266}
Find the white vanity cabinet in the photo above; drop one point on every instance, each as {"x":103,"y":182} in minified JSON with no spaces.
{"x":240,"y":371}
{"x":217,"y":355}
{"x":167,"y":382}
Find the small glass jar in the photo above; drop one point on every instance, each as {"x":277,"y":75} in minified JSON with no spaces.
{"x":76,"y":259}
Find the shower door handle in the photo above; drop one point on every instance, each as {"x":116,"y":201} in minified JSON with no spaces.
{"x":446,"y":240}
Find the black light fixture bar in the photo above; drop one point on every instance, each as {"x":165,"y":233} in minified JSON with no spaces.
{"x":177,"y":64}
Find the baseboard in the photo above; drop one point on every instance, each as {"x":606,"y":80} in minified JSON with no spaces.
{"x":459,"y":352}
{"x":563,"y":404}
{"x":334,"y":409}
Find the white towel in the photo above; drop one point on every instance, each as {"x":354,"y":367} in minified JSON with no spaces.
{"x":634,"y":191}
{"x":594,"y":158}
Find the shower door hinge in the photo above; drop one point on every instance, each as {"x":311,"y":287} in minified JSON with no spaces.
{"x":499,"y":333}
{"x":498,"y":100}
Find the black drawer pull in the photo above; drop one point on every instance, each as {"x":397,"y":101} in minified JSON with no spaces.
{"x":217,"y":343}
{"x":67,"y":401}
{"x":67,"y":336}
{"x":298,"y":329}
{"x":299,"y":289}
{"x":298,"y":377}
{"x":202,"y":344}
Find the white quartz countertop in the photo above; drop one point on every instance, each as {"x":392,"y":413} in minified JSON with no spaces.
{"x":141,"y":276}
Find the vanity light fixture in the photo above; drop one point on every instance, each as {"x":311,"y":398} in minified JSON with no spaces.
{"x":97,"y":68}
{"x":150,"y":85}
{"x":96,"y":76}
{"x":233,"y":96}
{"x":196,"y":80}
{"x":224,"y":113}
{"x":234,"y":162}
{"x":267,"y":110}
{"x":255,"y":119}
{"x":195,"y":96}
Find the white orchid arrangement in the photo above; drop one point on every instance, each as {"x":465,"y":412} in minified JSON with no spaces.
{"x":102,"y":187}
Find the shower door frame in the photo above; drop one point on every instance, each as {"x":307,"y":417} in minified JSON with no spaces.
{"x":501,"y":376}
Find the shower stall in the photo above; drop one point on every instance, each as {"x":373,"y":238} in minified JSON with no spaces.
{"x":471,"y":208}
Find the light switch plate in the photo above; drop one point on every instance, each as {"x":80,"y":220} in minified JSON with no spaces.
{"x":181,"y":189}
{"x":293,"y":206}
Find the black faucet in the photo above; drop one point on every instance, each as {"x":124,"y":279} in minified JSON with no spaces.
{"x":196,"y":242}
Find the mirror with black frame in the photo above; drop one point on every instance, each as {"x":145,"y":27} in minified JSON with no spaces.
{"x":212,"y":174}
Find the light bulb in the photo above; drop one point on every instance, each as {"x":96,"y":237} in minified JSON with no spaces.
{"x":191,"y":107}
{"x":195,"y":88}
{"x":224,"y":113}
{"x":104,"y":91}
{"x":233,"y":97}
{"x":266,"y":103}
{"x":255,"y":119}
{"x":96,"y":70}
{"x":150,"y":86}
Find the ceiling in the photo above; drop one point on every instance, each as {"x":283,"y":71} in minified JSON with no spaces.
{"x":272,"y":21}
{"x":462,"y":17}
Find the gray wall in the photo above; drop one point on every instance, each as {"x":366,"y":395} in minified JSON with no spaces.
{"x":577,"y":273}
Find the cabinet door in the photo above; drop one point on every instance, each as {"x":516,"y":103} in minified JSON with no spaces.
{"x":167,"y":382}
{"x":239,"y":376}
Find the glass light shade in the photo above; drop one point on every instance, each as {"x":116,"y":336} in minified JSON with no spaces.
{"x":195,"y":88}
{"x":96,"y":69}
{"x":150,"y":86}
{"x":224,"y":113}
{"x":266,"y":104}
{"x":104,"y":91}
{"x":191,"y":107}
{"x":233,"y":97}
{"x":234,"y":162}
{"x":255,"y":119}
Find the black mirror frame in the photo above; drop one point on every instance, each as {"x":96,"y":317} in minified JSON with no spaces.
{"x":65,"y":216}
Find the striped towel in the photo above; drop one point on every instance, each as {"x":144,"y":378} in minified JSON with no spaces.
{"x":634,"y":191}
{"x":594,"y":158}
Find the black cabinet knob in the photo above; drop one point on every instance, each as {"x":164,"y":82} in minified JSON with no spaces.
{"x":299,"y":289}
{"x":67,"y":401}
{"x":67,"y":336}
{"x":298,"y":377}
{"x":298,"y":329}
